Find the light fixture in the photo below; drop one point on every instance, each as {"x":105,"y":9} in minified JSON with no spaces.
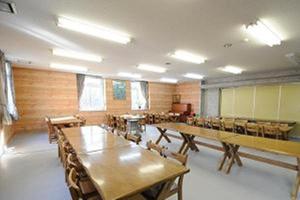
{"x":129,"y":75}
{"x":263,"y":33}
{"x":152,"y":68}
{"x":168,"y":80}
{"x":76,"y":55}
{"x":231,"y":69}
{"x":93,"y":30}
{"x":193,"y":76}
{"x":188,"y":57}
{"x":68,"y":67}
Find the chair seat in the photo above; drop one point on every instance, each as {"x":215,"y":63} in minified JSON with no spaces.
{"x":87,"y":186}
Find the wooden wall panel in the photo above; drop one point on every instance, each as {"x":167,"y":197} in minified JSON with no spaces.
{"x":190,"y":93}
{"x":40,"y":93}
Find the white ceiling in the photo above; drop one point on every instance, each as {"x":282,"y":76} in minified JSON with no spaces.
{"x":157,"y":27}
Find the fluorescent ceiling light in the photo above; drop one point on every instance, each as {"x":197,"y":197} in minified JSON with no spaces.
{"x":129,"y":75}
{"x":263,"y":33}
{"x":231,"y":69}
{"x":93,"y":30}
{"x":76,"y":55}
{"x":152,"y":68}
{"x":193,"y":76}
{"x":188,"y":57}
{"x":68,"y":67}
{"x":168,"y":80}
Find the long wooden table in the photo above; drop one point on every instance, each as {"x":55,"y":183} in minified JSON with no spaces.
{"x":119,"y":169}
{"x":65,"y":121}
{"x":231,"y":143}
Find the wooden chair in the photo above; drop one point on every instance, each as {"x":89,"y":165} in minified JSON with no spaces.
{"x":207,"y":123}
{"x":81,"y":188}
{"x":200,"y":122}
{"x":122,"y":124}
{"x":151,"y":118}
{"x":216,"y":123}
{"x":162,"y":117}
{"x":156,"y":118}
{"x":273,"y":131}
{"x":240,"y":126}
{"x":228,"y":126}
{"x":133,"y":138}
{"x":83,"y":120}
{"x":190,"y":121}
{"x":252,"y":129}
{"x":51,"y":132}
{"x":73,"y":162}
{"x":152,"y":146}
{"x":166,"y":190}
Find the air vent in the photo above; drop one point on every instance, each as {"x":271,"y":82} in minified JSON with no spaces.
{"x":8,"y":7}
{"x":293,"y":58}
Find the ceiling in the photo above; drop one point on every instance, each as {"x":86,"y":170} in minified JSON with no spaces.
{"x":157,"y":28}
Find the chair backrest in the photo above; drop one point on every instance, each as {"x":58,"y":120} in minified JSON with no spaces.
{"x":190,"y":120}
{"x":228,"y":124}
{"x":133,"y":138}
{"x":73,"y":184}
{"x":252,"y":127}
{"x":152,"y":146}
{"x":176,"y":156}
{"x":271,"y":130}
{"x":122,"y":133}
{"x":200,"y":121}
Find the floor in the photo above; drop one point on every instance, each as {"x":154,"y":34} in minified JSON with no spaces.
{"x":32,"y":171}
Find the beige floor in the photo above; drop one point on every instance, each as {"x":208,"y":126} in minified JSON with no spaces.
{"x":31,"y":171}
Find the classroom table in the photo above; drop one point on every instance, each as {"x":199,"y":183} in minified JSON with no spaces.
{"x":121,"y":172}
{"x":65,"y":121}
{"x":188,"y":134}
{"x":92,"y":138}
{"x":231,"y":143}
{"x":287,"y":148}
{"x":118,"y":168}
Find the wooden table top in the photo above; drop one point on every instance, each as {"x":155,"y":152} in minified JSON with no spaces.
{"x":93,"y":138}
{"x":132,"y":117}
{"x":64,"y":120}
{"x":283,"y":147}
{"x":196,"y":131}
{"x":124,"y":171}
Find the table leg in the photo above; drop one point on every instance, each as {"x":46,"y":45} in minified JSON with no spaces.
{"x":188,"y":143}
{"x":297,"y":182}
{"x":192,"y":143}
{"x":162,"y":135}
{"x":234,"y":157}
{"x":225,"y":156}
{"x":184,"y":143}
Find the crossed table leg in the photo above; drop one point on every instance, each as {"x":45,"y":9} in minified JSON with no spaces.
{"x":230,"y":153}
{"x":162,"y":135}
{"x":188,"y":141}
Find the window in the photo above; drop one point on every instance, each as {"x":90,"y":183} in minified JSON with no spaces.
{"x":91,"y":93}
{"x":139,"y":95}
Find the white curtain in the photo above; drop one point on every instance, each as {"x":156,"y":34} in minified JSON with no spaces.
{"x":92,"y":96}
{"x":5,"y":117}
{"x":139,"y":95}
